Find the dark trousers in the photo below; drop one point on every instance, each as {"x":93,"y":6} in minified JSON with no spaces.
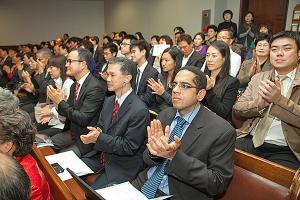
{"x":278,"y":154}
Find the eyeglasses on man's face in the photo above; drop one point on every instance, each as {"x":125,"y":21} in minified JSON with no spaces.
{"x":124,"y":44}
{"x":181,"y":85}
{"x":69,"y":61}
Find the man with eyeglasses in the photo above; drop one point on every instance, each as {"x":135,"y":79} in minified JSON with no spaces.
{"x":83,"y":106}
{"x":110,"y":51}
{"x":125,"y":45}
{"x":190,"y":149}
{"x":226,"y":35}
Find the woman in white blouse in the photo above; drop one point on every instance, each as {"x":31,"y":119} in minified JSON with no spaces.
{"x":48,"y":114}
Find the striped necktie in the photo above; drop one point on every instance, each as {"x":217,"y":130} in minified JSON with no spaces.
{"x":151,"y":185}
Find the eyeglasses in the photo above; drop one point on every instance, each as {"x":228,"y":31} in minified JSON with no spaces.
{"x":124,"y":44}
{"x":223,"y":38}
{"x":69,"y":61}
{"x":184,"y":86}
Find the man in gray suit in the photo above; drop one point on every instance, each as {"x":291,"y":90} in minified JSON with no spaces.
{"x":121,"y":130}
{"x":190,"y":149}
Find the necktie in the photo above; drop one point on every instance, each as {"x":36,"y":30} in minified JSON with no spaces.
{"x":266,"y":122}
{"x":115,"y":111}
{"x":77,"y":85}
{"x":151,"y":185}
{"x":137,"y":81}
{"x":113,"y":116}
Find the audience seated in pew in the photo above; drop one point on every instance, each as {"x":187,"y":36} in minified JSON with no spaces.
{"x":17,"y":134}
{"x":140,"y":52}
{"x":83,"y":106}
{"x":15,"y":183}
{"x":170,"y":64}
{"x":190,"y":149}
{"x":119,"y":135}
{"x":222,"y":88}
{"x":259,"y":63}
{"x":271,"y":104}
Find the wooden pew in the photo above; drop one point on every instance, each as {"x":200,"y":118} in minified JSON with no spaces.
{"x":60,"y":190}
{"x":260,"y":179}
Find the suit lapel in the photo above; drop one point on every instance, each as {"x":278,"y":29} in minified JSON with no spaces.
{"x":190,"y":60}
{"x":143,"y":78}
{"x":110,"y":107}
{"x":122,"y":110}
{"x":194,"y":130}
{"x":83,"y":87}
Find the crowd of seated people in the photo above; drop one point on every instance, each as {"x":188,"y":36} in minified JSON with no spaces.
{"x":93,"y":97}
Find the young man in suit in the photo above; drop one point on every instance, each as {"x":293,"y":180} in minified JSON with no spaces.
{"x":83,"y":105}
{"x":190,"y":56}
{"x":190,"y":149}
{"x":121,"y":130}
{"x":271,"y":105}
{"x":125,"y":45}
{"x":140,"y":53}
{"x":97,"y":53}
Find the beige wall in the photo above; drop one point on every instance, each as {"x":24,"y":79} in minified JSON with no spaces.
{"x":33,"y":21}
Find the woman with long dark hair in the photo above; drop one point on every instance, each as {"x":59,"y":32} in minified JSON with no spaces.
{"x":170,"y":64}
{"x":222,"y":88}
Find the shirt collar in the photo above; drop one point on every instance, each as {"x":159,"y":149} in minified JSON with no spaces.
{"x":142,"y":67}
{"x":291,"y":75}
{"x":189,"y":116}
{"x":121,"y":99}
{"x":83,"y":78}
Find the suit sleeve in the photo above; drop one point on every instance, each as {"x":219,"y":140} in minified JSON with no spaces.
{"x":148,"y":98}
{"x":213,"y":177}
{"x":129,"y":143}
{"x":247,"y":104}
{"x":93,"y":98}
{"x":222,"y":105}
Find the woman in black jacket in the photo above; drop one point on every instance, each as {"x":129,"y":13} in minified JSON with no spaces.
{"x":222,"y":88}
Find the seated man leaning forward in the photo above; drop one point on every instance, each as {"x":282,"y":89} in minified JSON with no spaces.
{"x":190,"y":149}
{"x":271,"y":105}
{"x":121,"y":129}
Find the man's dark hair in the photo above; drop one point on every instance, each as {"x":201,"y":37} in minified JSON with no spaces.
{"x":212,"y":26}
{"x":16,"y":127}
{"x":185,"y":37}
{"x":108,"y":38}
{"x":287,"y":34}
{"x":20,"y":55}
{"x":75,"y":40}
{"x":95,"y":38}
{"x":167,"y":38}
{"x":87,"y":45}
{"x":229,"y":31}
{"x":200,"y":78}
{"x":262,"y":37}
{"x":112,"y":47}
{"x":179,"y":30}
{"x":15,"y":182}
{"x":84,"y":55}
{"x":129,"y":37}
{"x":156,"y":37}
{"x":64,"y":46}
{"x":228,"y":12}
{"x":128,"y":67}
{"x":142,"y":45}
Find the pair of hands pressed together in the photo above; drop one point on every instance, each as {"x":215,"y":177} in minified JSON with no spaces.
{"x":268,"y":92}
{"x":157,"y":140}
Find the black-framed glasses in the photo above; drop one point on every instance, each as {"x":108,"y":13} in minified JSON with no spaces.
{"x":69,"y":61}
{"x":180,"y":85}
{"x":124,"y":44}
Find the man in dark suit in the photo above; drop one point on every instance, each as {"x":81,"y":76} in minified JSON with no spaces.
{"x":121,"y":130}
{"x":190,"y":56}
{"x":97,"y":53}
{"x":83,"y":105}
{"x":140,"y":52}
{"x":190,"y":149}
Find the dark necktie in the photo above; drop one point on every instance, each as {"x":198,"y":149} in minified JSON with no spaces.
{"x":77,"y":85}
{"x":137,"y":81}
{"x":151,"y":185}
{"x":113,"y":116}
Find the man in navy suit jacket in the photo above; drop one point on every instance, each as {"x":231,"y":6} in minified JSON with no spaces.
{"x":140,"y":52}
{"x":120,"y":133}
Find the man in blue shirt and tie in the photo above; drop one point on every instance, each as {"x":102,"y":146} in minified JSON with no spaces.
{"x":190,"y":149}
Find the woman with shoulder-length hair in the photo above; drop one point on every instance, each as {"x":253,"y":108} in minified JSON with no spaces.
{"x":17,"y":134}
{"x":222,"y":88}
{"x":170,"y":64}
